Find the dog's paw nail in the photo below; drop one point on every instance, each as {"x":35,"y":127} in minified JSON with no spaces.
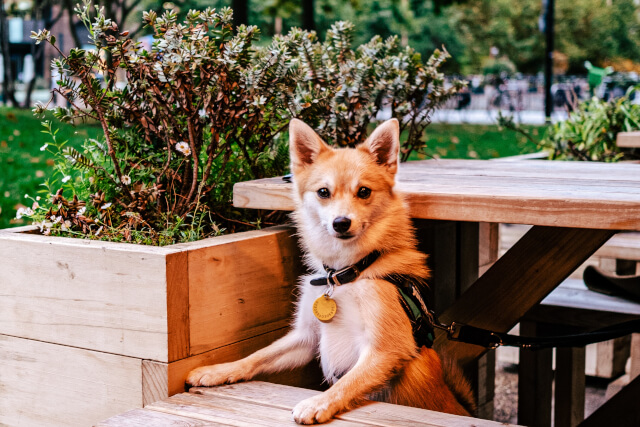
{"x":312,"y":411}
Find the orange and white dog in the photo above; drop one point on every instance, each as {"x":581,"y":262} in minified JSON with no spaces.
{"x":346,"y":210}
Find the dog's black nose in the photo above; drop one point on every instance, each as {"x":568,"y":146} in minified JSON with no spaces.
{"x":341,"y":224}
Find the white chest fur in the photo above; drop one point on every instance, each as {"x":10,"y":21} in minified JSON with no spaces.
{"x":341,"y":340}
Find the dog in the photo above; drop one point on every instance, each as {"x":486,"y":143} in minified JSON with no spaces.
{"x":347,"y":212}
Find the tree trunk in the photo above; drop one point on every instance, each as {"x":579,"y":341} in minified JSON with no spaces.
{"x":38,"y":50}
{"x":69,"y":5}
{"x":8,"y":84}
{"x":308,"y":15}
{"x":240,"y":12}
{"x":277,"y":25}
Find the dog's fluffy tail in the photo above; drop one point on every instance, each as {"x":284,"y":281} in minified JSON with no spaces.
{"x":459,"y":385}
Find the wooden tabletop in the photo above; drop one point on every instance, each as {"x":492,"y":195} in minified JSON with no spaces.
{"x":537,"y":192}
{"x":264,"y":404}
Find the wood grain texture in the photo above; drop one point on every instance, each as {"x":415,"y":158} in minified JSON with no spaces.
{"x":535,"y":377}
{"x":573,"y":293}
{"x":242,"y":288}
{"x":634,"y":370}
{"x":44,"y":384}
{"x":628,"y":139}
{"x":622,"y":246}
{"x":374,"y":413}
{"x":309,"y":376}
{"x":573,"y":305}
{"x":144,"y":301}
{"x":489,"y":250}
{"x":520,"y":279}
{"x":620,"y":411}
{"x":178,"y":334}
{"x":537,"y":192}
{"x":439,"y":240}
{"x":569,"y":386}
{"x":227,"y":411}
{"x":147,"y":418}
{"x":86,"y":294}
{"x":155,"y":381}
{"x":258,"y":403}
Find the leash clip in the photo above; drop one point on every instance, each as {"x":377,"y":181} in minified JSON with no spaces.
{"x":451,"y":329}
{"x":453,"y":334}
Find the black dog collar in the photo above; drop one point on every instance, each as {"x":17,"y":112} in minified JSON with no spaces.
{"x":346,"y":274}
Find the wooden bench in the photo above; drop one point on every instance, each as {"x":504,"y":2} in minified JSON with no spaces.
{"x":628,"y":139}
{"x":568,"y":309}
{"x":265,"y":404}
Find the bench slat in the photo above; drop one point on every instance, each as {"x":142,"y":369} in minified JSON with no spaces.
{"x":383,"y":414}
{"x":573,"y":293}
{"x":628,"y":139}
{"x":227,"y":411}
{"x":146,"y":418}
{"x":265,"y":404}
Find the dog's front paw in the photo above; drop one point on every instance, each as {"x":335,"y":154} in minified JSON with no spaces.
{"x":317,"y":409}
{"x":225,"y":373}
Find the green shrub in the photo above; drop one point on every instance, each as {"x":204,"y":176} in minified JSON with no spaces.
{"x":203,"y":109}
{"x":589,"y":133}
{"x":356,"y":85}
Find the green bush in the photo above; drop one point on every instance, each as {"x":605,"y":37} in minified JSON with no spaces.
{"x":205,"y":108}
{"x":590,"y":131}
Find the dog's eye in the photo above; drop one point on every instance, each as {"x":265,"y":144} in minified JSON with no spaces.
{"x":364,"y":192}
{"x":324,"y":193}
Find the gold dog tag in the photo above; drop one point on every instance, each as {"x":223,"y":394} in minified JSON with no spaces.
{"x":324,"y":308}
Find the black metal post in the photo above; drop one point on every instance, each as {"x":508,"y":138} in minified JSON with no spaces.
{"x":548,"y":59}
{"x":308,"y":15}
{"x":240,"y":12}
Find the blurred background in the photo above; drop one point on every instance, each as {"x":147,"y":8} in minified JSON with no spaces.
{"x":498,"y":46}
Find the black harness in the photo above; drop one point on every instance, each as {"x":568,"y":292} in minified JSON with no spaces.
{"x":421,"y":318}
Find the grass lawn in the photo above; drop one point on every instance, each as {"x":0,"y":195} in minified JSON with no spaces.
{"x":465,"y":141}
{"x":23,"y":166}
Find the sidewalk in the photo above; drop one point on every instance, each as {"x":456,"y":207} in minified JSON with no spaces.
{"x":491,"y":116}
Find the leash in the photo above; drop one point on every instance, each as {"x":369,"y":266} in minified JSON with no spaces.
{"x":491,"y":339}
{"x":424,"y":321}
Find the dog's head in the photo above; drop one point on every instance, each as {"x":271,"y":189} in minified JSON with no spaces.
{"x":343,"y":192}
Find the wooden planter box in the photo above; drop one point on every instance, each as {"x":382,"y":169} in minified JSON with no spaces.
{"x":91,"y":329}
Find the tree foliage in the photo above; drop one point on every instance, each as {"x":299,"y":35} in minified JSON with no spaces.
{"x":594,"y":30}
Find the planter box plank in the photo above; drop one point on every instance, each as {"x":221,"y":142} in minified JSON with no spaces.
{"x":44,"y":384}
{"x":253,"y":292}
{"x":628,"y":139}
{"x":179,"y":340}
{"x":95,"y":296}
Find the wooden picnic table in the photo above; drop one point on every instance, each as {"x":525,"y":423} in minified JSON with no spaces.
{"x":535,"y":192}
{"x":574,"y":207}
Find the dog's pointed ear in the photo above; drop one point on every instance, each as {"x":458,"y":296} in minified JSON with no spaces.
{"x":304,"y":145}
{"x":384,"y":144}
